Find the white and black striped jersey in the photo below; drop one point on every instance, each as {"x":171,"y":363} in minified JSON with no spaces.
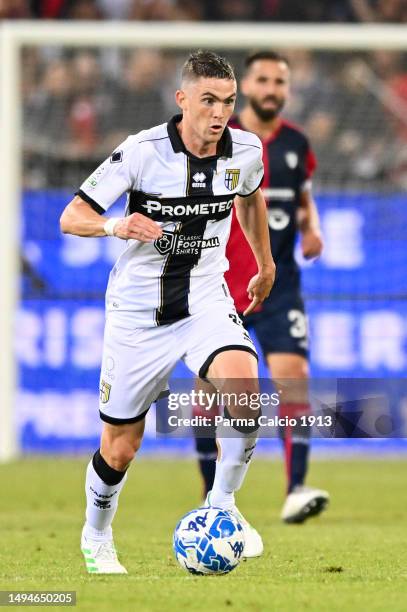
{"x":191,"y":198}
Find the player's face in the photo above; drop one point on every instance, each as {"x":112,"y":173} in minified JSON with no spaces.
{"x":207,"y":106}
{"x":266,"y":87}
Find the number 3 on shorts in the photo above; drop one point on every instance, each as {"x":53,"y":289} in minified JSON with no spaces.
{"x":298,"y":329}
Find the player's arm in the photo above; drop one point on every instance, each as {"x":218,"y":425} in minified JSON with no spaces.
{"x":309,"y":225}
{"x":252,"y":216}
{"x":115,"y":176}
{"x":80,"y":219}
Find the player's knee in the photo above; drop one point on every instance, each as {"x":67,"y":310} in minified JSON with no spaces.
{"x":120,"y":457}
{"x":299,"y":371}
{"x":295,"y":369}
{"x":120,"y":452}
{"x":234,"y":364}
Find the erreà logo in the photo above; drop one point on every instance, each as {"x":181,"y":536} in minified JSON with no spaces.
{"x":103,"y":504}
{"x":199,"y":179}
{"x":165,"y":243}
{"x":232,"y":178}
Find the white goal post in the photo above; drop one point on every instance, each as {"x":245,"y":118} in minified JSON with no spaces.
{"x":15,"y":35}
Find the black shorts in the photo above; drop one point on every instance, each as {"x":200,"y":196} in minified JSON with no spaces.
{"x":281,"y":325}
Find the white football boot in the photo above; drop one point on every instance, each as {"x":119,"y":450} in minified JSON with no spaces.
{"x":101,"y":557}
{"x":253,"y":544}
{"x":303,"y":503}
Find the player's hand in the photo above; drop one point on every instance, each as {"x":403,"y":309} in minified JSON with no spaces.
{"x":137,"y":227}
{"x":259,"y":288}
{"x":311,"y":244}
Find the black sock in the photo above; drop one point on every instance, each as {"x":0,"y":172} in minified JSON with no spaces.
{"x":109,"y":475}
{"x":296,"y":440}
{"x":207,"y":452}
{"x":298,"y":464}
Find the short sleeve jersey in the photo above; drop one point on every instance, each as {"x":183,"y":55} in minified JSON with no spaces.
{"x":191,"y":198}
{"x":289,"y":164}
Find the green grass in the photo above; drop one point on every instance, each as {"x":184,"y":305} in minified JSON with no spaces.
{"x":352,"y":558}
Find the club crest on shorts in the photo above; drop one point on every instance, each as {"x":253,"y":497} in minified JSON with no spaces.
{"x":165,"y":243}
{"x":232,"y":178}
{"x":104,"y":391}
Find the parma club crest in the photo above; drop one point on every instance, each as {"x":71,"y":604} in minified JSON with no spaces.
{"x":104,"y":391}
{"x":232,"y":178}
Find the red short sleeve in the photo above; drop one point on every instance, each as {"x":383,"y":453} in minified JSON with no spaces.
{"x":310,"y":163}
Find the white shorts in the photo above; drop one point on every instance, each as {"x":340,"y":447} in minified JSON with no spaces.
{"x":137,"y":363}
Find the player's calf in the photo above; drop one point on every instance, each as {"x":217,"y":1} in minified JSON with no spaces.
{"x":119,"y":444}
{"x":296,"y":441}
{"x":106,"y":475}
{"x":205,"y":440}
{"x":103,"y":487}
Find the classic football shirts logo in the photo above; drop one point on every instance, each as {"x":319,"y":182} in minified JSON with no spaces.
{"x":182,"y":244}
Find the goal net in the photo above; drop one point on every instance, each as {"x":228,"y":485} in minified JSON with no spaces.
{"x":71,"y":94}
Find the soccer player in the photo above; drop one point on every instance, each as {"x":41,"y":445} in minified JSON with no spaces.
{"x":279,"y":322}
{"x":166,"y":297}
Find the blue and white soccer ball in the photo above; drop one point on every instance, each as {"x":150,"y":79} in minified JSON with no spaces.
{"x":208,"y":541}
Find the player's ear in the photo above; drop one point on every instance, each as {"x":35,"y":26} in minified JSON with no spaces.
{"x":180,"y":98}
{"x":243,"y":86}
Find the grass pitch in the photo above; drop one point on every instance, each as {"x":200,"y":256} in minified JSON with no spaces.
{"x":352,"y":558}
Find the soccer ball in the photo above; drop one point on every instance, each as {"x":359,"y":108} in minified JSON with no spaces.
{"x":208,"y":541}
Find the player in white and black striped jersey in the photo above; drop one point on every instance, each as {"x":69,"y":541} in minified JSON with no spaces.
{"x":191,"y":199}
{"x":167,"y":288}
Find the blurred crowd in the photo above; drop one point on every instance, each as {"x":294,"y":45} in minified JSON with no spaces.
{"x":80,"y":104}
{"x":394,"y":11}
